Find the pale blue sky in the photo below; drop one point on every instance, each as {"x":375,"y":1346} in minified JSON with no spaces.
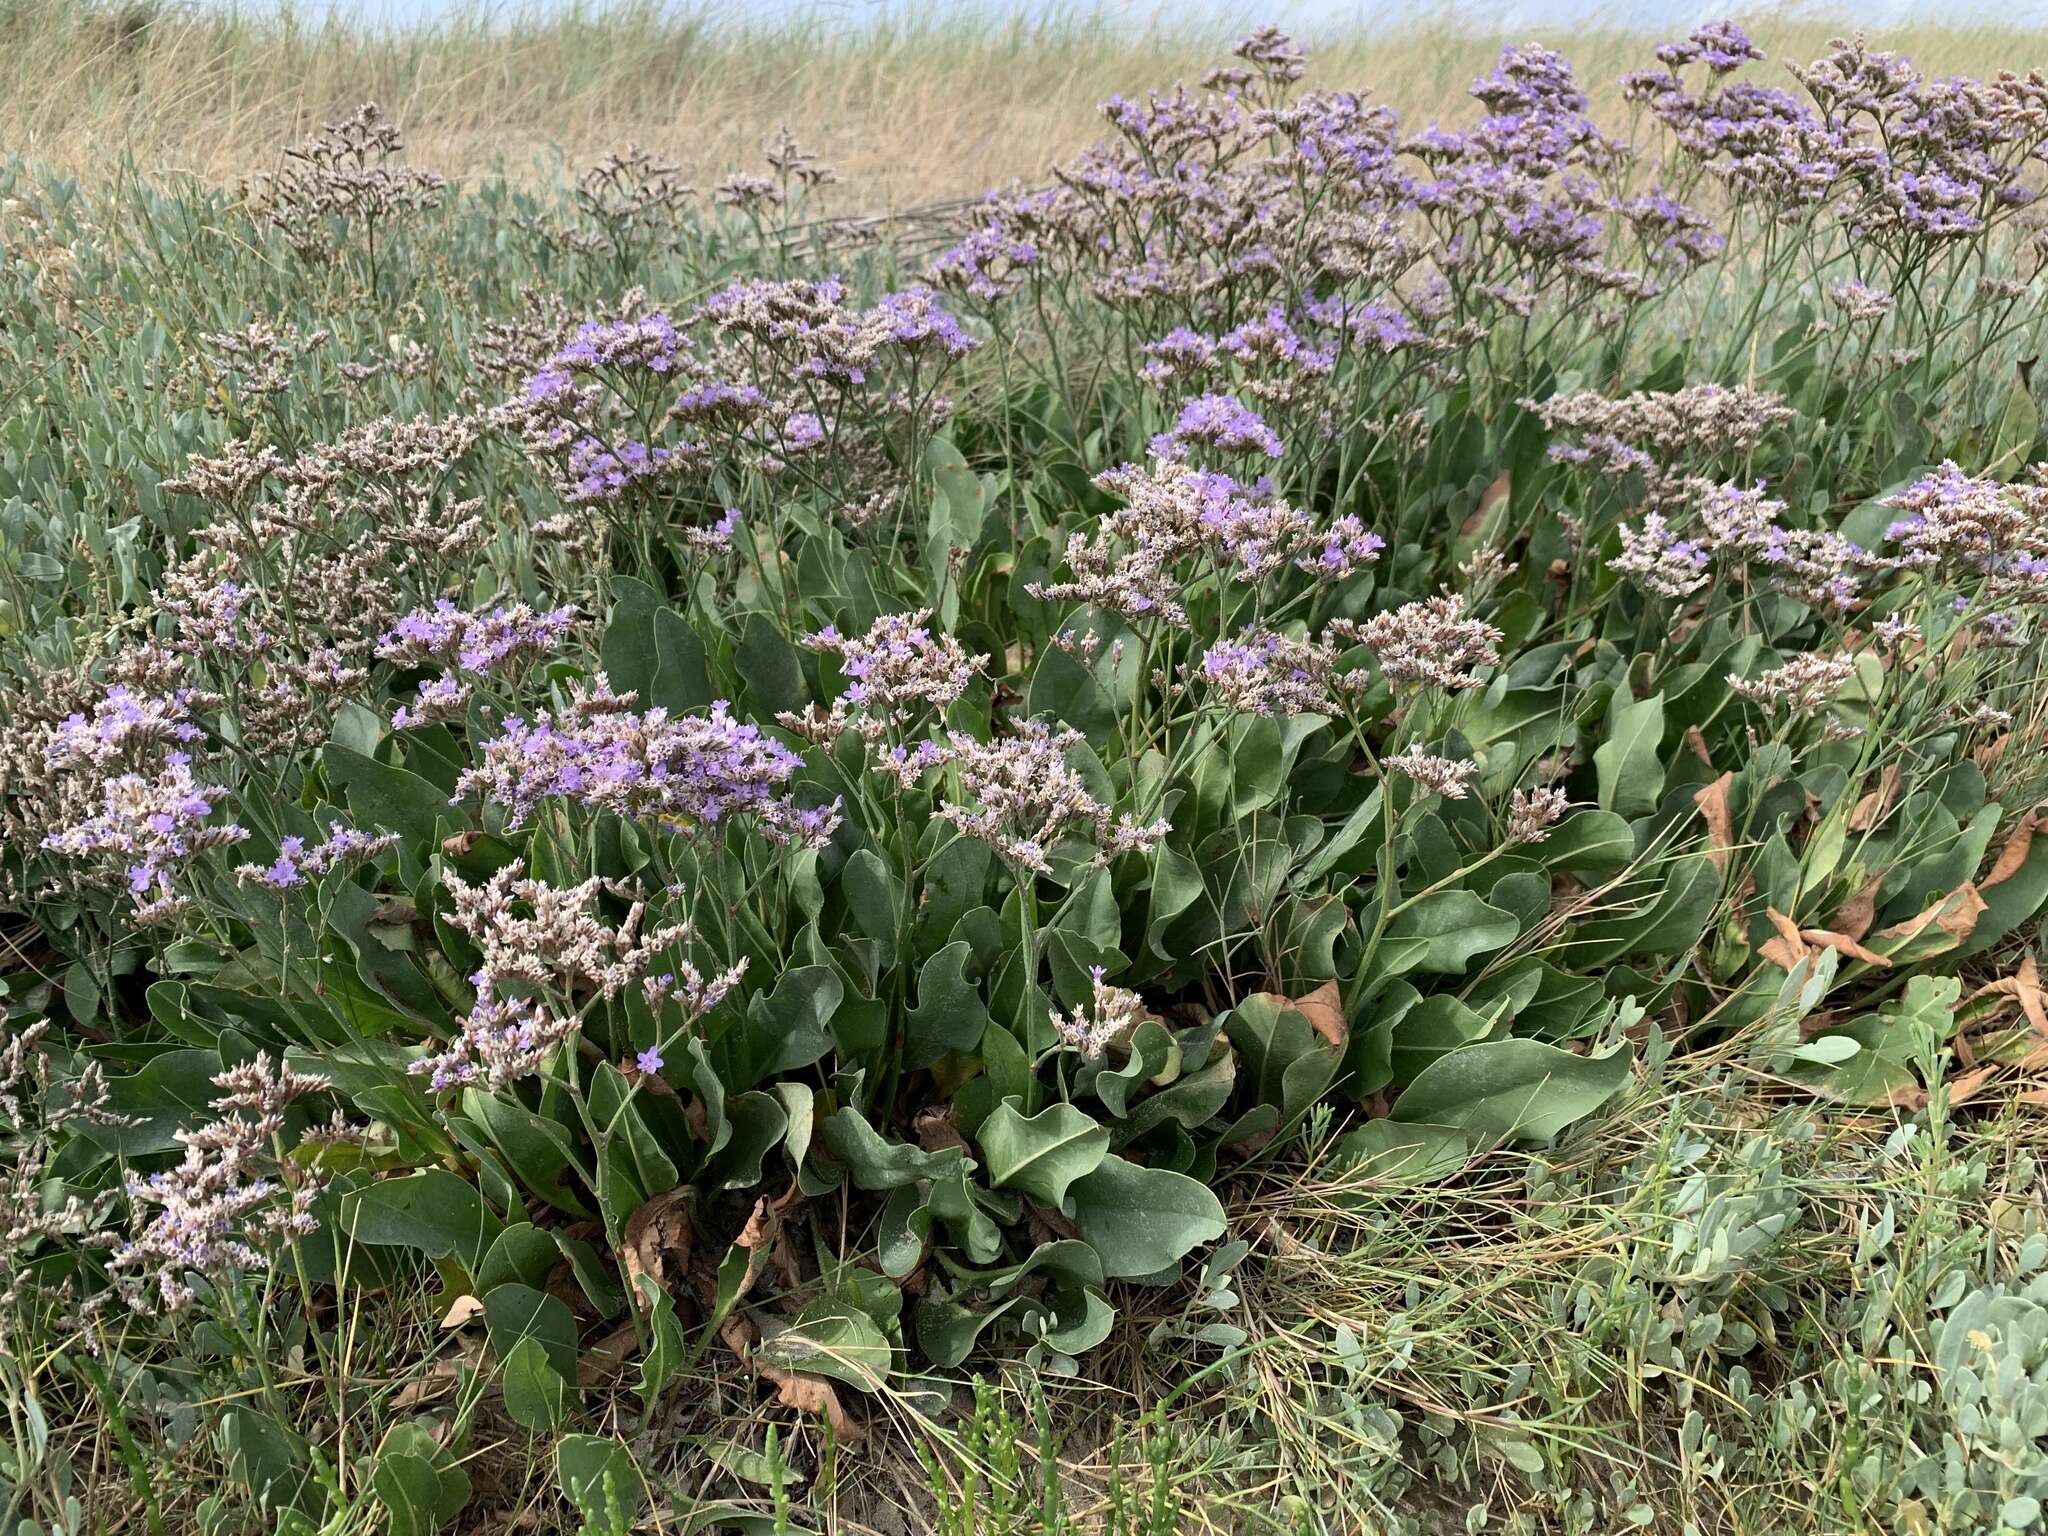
{"x":1309,"y":16}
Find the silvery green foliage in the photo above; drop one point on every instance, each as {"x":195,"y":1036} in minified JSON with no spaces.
{"x":1991,"y":1353}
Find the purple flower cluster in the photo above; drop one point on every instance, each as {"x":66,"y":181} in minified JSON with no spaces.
{"x":599,"y":472}
{"x":1265,"y":673}
{"x":1721,"y":45}
{"x":913,"y":321}
{"x":343,"y":848}
{"x":897,"y":673}
{"x":650,"y":343}
{"x":477,"y":642}
{"x":152,"y":825}
{"x":687,"y":771}
{"x":123,"y":726}
{"x":1221,"y":423}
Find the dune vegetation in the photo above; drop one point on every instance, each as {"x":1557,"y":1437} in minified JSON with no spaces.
{"x":1323,"y":821}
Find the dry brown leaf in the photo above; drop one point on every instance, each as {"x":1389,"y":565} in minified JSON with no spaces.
{"x":1788,"y":948}
{"x":936,"y":1130}
{"x":766,"y":1239}
{"x":1712,"y":799}
{"x":1965,"y":1088}
{"x":793,"y":1389}
{"x":1323,"y":1008}
{"x":2024,"y":987}
{"x":1870,"y":810}
{"x":2033,"y":1002}
{"x":607,"y":1357}
{"x":1859,"y":911}
{"x":1845,"y":944}
{"x":1696,"y":739}
{"x":2013,"y":854}
{"x":1955,"y":914}
{"x":465,"y":1310}
{"x":1987,"y":756}
{"x":657,"y":1241}
{"x":1502,"y":485}
{"x":440,"y":1378}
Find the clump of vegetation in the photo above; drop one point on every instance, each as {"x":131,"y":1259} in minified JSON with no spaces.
{"x":1349,"y":808}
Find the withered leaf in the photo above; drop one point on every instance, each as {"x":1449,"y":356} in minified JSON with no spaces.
{"x":1826,"y":939}
{"x":1788,"y":948}
{"x":1871,"y":809}
{"x":657,"y":1241}
{"x":1712,"y":799}
{"x":2013,"y":854}
{"x":1955,"y":914}
{"x":1860,"y":910}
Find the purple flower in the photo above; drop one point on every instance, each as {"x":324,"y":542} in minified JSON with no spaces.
{"x":913,"y":321}
{"x":479,"y":642}
{"x":1221,"y":422}
{"x":649,"y":1060}
{"x":688,"y":771}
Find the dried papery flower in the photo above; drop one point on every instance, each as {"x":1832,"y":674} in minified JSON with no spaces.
{"x":236,"y":474}
{"x":258,"y":359}
{"x":1532,"y":812}
{"x":1110,"y":1013}
{"x":1802,"y":685}
{"x":1860,"y":302}
{"x":230,"y":1201}
{"x":1021,"y":796}
{"x":1655,"y":559}
{"x":1444,"y":776}
{"x":633,"y":196}
{"x":793,"y":163}
{"x":1426,"y":644}
{"x":1666,"y":435}
{"x":549,"y":936}
{"x":345,"y":172}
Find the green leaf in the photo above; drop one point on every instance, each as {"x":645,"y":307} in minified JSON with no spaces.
{"x":769,"y":665}
{"x":666,"y":1345}
{"x":832,"y":1338}
{"x":380,"y":795}
{"x":599,"y":1476}
{"x":1512,"y":1090}
{"x":1288,"y":1065}
{"x":536,"y":1395}
{"x":949,"y":1015}
{"x":1143,"y":1221}
{"x":431,"y":1211}
{"x":649,"y":650}
{"x":417,"y":1482}
{"x":1630,"y":776}
{"x":880,"y":1164}
{"x":514,"y":1312}
{"x":1388,"y":1154}
{"x":1043,"y":1154}
{"x":1441,"y":932}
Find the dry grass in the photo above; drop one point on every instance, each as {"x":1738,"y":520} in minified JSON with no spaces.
{"x":910,"y":110}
